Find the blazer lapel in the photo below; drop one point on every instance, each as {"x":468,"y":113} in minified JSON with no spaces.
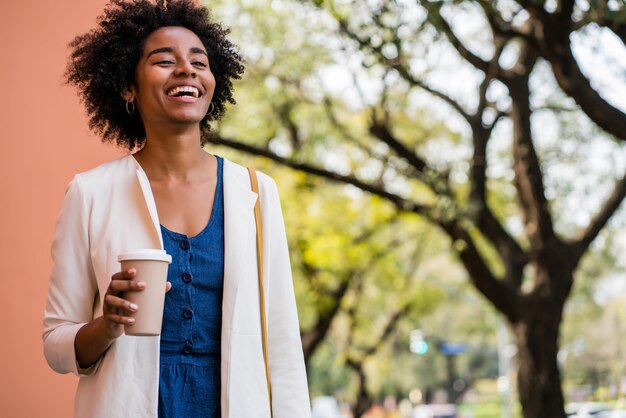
{"x":149,"y":199}
{"x":239,"y":200}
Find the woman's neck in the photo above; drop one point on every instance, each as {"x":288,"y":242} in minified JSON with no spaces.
{"x":172,"y":156}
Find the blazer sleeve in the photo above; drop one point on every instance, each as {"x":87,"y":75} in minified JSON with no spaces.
{"x":72,"y":288}
{"x":290,"y":396}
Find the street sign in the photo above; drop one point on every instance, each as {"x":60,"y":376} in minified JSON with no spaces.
{"x":452,"y":349}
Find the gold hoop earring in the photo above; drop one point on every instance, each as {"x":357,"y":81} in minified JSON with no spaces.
{"x":211,"y":108}
{"x":130,"y":110}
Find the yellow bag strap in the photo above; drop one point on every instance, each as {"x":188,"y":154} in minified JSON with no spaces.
{"x":259,"y":257}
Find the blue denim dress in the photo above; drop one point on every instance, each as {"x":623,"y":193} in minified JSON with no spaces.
{"x":189,"y":378}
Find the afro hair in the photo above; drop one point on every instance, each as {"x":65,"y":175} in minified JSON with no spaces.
{"x":103,"y":61}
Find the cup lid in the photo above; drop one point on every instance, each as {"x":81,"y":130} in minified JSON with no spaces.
{"x":145,"y":254}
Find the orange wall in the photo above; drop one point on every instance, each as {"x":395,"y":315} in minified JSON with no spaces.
{"x":45,"y":140}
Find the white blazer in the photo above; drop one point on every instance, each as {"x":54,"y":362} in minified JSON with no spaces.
{"x":111,"y":209}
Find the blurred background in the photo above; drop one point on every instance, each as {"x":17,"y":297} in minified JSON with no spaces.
{"x":451,"y":174}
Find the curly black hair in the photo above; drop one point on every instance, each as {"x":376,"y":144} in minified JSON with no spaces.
{"x":103,"y":62}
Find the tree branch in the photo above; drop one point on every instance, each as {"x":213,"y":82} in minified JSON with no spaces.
{"x":284,"y":113}
{"x":511,"y":253}
{"x":368,"y":150}
{"x":346,"y":134}
{"x":500,"y":293}
{"x":401,"y":203}
{"x":533,"y":7}
{"x":564,"y":13}
{"x":611,"y":204}
{"x":528,"y":174}
{"x":573,"y":82}
{"x":389,"y":328}
{"x":380,"y":129}
{"x":551,"y":38}
{"x":497,"y":291}
{"x":440,"y":23}
{"x":402,"y":70}
{"x":509,"y":250}
{"x":312,"y":338}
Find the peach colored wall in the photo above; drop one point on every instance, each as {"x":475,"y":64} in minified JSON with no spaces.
{"x":45,"y":140}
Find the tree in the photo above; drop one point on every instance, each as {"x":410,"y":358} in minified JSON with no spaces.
{"x":517,"y":251}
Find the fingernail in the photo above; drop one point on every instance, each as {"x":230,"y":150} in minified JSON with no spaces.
{"x":133,"y":307}
{"x":141,"y":284}
{"x":131,"y":320}
{"x":132,"y":271}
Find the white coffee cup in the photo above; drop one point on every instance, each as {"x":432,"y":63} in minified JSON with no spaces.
{"x":151,"y":266}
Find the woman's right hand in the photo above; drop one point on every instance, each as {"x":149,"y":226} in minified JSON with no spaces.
{"x":95,"y":337}
{"x":116,"y":310}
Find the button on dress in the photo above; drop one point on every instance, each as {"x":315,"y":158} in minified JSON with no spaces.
{"x":189,"y":378}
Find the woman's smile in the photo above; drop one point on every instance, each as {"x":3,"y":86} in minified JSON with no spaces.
{"x":184,"y":91}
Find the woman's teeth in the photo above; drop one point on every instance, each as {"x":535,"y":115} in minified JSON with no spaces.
{"x":183,"y":91}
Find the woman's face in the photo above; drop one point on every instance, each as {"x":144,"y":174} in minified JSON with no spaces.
{"x":174,"y":84}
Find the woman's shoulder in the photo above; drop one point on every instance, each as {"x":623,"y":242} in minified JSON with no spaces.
{"x":102,"y":179}
{"x":120,"y":167}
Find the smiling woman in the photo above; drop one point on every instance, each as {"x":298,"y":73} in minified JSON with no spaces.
{"x":152,"y":76}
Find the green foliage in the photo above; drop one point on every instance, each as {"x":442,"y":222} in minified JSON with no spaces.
{"x":312,"y":95}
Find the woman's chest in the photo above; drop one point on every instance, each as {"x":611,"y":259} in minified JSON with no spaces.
{"x":185,"y":209}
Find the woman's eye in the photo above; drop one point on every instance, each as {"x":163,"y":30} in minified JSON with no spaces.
{"x":200,"y":64}
{"x":165,"y":62}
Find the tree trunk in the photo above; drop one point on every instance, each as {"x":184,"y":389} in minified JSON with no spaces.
{"x":539,"y":378}
{"x":363,"y":400}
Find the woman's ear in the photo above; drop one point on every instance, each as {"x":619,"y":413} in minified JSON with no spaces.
{"x":128,"y":94}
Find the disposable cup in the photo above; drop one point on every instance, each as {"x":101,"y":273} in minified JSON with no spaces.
{"x":151,"y":266}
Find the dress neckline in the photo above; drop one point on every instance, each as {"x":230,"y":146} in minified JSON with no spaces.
{"x":216,"y":202}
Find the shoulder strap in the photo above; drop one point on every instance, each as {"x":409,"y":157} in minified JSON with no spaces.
{"x":259,"y":253}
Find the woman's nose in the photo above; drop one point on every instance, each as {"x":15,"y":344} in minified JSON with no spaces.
{"x":185,"y":69}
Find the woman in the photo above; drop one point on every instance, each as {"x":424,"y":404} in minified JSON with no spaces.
{"x":152,"y":76}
